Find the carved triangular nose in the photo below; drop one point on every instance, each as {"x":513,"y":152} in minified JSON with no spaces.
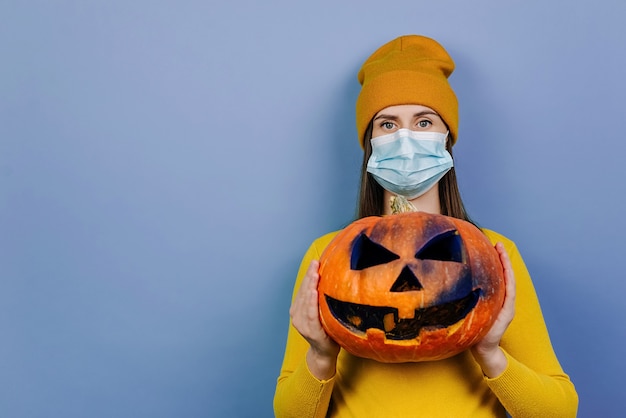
{"x":406,"y":282}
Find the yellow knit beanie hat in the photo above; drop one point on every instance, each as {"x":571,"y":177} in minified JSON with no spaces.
{"x":410,"y":69}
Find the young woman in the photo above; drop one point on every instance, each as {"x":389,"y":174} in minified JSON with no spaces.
{"x":407,"y":122}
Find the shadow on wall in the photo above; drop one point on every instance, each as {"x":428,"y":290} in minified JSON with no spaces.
{"x":481,"y":158}
{"x":345,"y":155}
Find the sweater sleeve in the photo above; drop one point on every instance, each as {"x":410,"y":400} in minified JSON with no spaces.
{"x":298,"y":393}
{"x":533,"y":384}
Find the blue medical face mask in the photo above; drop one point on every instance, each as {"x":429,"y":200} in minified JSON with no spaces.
{"x":409,"y":163}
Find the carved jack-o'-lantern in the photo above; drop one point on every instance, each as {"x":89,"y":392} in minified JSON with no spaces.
{"x":409,"y":287}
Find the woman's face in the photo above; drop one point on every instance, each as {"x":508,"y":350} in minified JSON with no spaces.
{"x":413,"y":117}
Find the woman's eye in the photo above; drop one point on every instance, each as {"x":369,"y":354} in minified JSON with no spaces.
{"x":387,"y":125}
{"x":424,"y":123}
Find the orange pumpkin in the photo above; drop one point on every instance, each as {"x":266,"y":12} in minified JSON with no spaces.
{"x":409,"y":287}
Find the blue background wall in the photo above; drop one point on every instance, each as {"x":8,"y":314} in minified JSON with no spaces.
{"x":164,"y":165}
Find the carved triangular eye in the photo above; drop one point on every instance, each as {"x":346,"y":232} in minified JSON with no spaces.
{"x":366,"y":253}
{"x":444,"y":247}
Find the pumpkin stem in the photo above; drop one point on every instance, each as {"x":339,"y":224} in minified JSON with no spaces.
{"x":399,"y":204}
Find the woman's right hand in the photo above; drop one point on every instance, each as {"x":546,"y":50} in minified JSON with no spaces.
{"x":305,"y":317}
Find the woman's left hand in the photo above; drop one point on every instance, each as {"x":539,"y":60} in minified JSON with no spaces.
{"x":487,"y":351}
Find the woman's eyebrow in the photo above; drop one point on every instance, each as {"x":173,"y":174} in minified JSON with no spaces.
{"x":392,"y":117}
{"x":425,"y":112}
{"x":415,"y":115}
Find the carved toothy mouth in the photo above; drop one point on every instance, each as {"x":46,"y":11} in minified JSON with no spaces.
{"x":360,"y":318}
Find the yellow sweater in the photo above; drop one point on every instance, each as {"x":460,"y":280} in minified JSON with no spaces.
{"x":533,"y":385}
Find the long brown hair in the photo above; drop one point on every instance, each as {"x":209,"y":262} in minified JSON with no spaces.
{"x":371,"y":194}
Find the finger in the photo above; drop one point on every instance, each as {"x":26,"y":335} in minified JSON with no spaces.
{"x":310,"y":294}
{"x":509,"y":278}
{"x":504,"y":257}
{"x":305,"y":309}
{"x":312,"y":274}
{"x":309,"y":282}
{"x":506,"y":264}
